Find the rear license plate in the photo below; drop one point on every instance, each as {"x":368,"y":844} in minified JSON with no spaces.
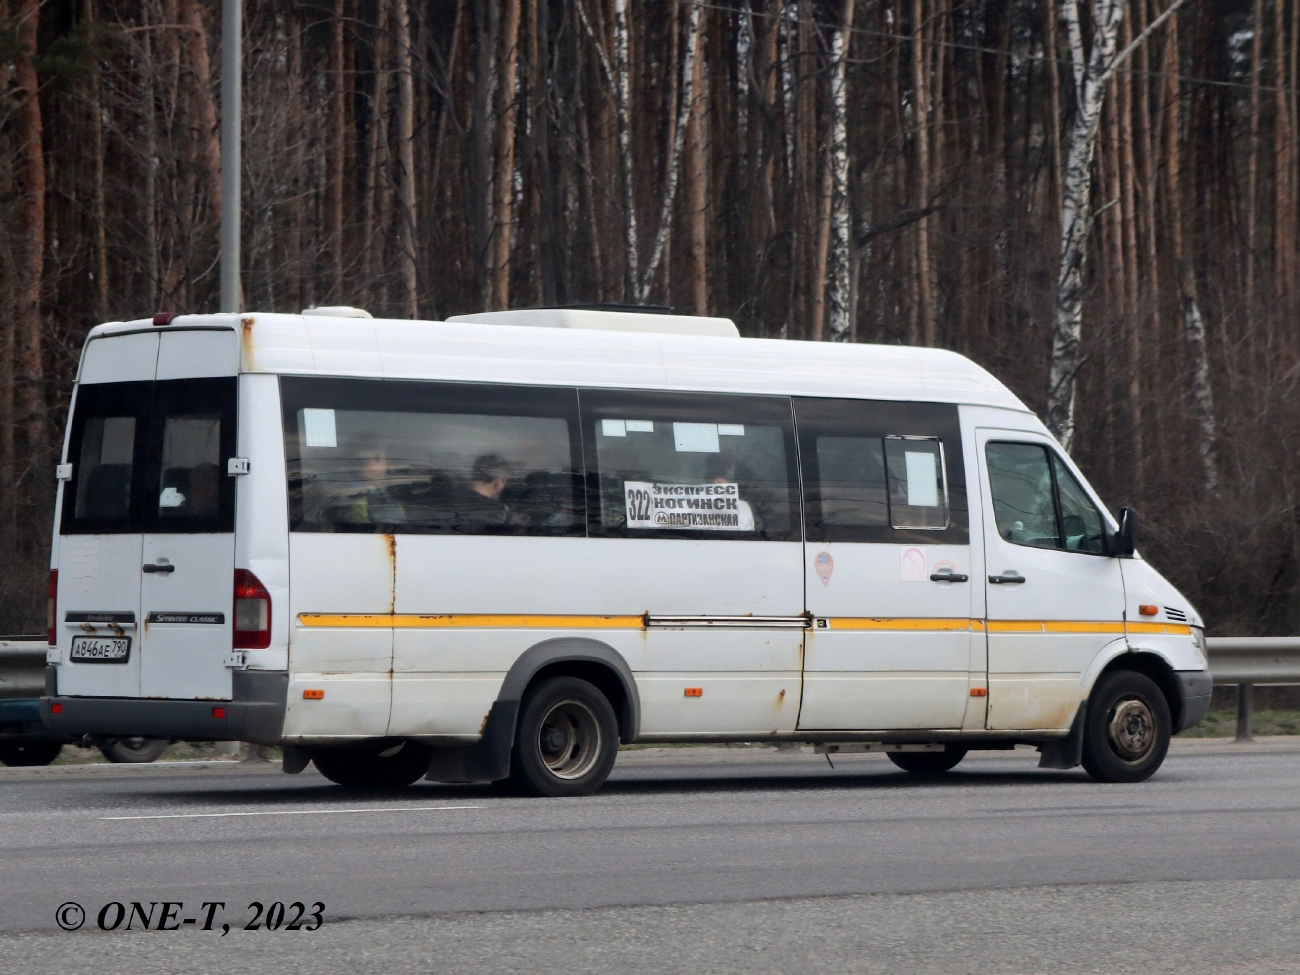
{"x":100,"y":649}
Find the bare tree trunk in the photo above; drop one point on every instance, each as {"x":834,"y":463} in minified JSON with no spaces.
{"x":697,"y":193}
{"x":408,"y":245}
{"x":1076,"y":208}
{"x":839,"y":325}
{"x":209,"y":134}
{"x":99,"y":209}
{"x":924,"y":263}
{"x":28,"y":136}
{"x":622,"y":100}
{"x":1282,"y":141}
{"x":373,"y":214}
{"x":1193,"y":321}
{"x":503,"y":183}
{"x":335,"y":159}
{"x":1252,"y":165}
{"x":294,"y":144}
{"x":672,"y":174}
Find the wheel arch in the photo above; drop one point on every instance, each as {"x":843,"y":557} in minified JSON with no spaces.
{"x":1151,"y":665}
{"x":590,"y":660}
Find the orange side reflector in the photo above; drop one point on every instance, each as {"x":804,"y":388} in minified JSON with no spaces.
{"x":695,"y":692}
{"x":1146,"y":609}
{"x":979,"y":692}
{"x":312,"y":695}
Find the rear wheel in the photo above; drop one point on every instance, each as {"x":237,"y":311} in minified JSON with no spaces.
{"x":134,"y":750}
{"x":566,"y":740}
{"x":1127,"y":728}
{"x":386,"y":767}
{"x":928,"y":763}
{"x":29,"y":752}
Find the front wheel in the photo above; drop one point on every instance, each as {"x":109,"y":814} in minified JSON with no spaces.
{"x":928,"y":763}
{"x":373,"y":767}
{"x":1127,"y":728}
{"x":29,"y":752}
{"x":566,"y":740}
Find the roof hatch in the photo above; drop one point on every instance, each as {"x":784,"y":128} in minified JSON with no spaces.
{"x":607,"y":321}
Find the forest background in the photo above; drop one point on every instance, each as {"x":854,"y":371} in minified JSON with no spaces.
{"x":843,"y":170}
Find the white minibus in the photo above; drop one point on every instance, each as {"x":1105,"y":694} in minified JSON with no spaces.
{"x":491,"y":549}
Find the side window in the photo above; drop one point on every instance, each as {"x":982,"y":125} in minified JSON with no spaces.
{"x":882,"y":472}
{"x":1038,"y":502}
{"x":1082,"y":527}
{"x":431,"y":458}
{"x":690,"y":465}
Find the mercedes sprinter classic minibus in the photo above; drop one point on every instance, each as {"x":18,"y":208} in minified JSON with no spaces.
{"x":495,"y":547}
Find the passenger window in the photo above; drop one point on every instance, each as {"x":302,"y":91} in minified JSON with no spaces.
{"x":882,"y":472}
{"x":918,"y":496}
{"x":1082,"y":527}
{"x":690,"y":465}
{"x":1038,"y":502}
{"x":431,"y":458}
{"x":190,"y":481}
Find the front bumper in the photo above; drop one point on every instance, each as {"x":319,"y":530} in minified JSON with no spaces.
{"x":1194,"y":690}
{"x":254,"y":713}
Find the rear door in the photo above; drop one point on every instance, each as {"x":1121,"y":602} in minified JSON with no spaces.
{"x":188,"y":559}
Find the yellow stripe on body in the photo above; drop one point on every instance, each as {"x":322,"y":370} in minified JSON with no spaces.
{"x":1054,"y":626}
{"x":1172,"y":629}
{"x":874,"y":623}
{"x":468,"y":621}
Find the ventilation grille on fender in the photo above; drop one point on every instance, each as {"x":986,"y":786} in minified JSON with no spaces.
{"x":1177,"y":615}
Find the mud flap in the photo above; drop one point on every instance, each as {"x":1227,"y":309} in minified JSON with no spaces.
{"x":1067,"y":752}
{"x":295,"y":759}
{"x":488,"y":759}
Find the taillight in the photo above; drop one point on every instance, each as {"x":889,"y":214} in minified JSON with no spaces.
{"x":52,"y":610}
{"x":252,"y":612}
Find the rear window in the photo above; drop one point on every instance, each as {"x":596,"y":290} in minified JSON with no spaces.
{"x":431,"y":458}
{"x":151,"y":457}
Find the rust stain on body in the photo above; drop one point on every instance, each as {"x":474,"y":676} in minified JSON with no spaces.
{"x":390,"y":547}
{"x":246,"y":339}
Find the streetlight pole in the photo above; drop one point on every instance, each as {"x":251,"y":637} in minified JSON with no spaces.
{"x":232,"y":16}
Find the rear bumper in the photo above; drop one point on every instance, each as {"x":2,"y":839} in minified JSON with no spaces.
{"x":1195,"y":688}
{"x":255,"y":713}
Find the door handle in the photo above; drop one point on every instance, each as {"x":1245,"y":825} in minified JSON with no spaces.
{"x":1008,"y":577}
{"x":150,"y":567}
{"x":948,"y":576}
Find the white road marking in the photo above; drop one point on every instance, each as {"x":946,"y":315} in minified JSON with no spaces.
{"x":294,"y":812}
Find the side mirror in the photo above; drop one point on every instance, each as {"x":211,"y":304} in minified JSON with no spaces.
{"x":1123,"y":541}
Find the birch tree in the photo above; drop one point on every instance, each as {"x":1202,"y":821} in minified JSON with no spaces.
{"x":839,"y":327}
{"x":1091,"y":71}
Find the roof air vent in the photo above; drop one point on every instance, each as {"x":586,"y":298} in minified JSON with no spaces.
{"x":337,"y":311}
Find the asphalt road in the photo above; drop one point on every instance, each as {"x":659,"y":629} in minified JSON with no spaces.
{"x":692,"y":860}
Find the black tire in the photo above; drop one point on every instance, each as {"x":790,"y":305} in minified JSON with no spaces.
{"x":566,"y":740}
{"x":388,"y":766}
{"x":28,"y":752}
{"x":124,"y":751}
{"x":928,"y":763}
{"x":1127,"y":728}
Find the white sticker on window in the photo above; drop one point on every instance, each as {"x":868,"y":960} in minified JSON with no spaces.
{"x":696,"y":438}
{"x":640,"y":426}
{"x":318,"y":427}
{"x":170,"y":498}
{"x":711,"y":507}
{"x":731,"y":429}
{"x":613,"y":428}
{"x":922,"y":479}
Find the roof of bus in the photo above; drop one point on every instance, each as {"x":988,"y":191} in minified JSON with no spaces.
{"x":458,"y":351}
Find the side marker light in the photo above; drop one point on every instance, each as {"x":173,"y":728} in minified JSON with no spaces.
{"x":312,"y":695}
{"x":695,"y":692}
{"x":979,"y":692}
{"x":1146,"y":609}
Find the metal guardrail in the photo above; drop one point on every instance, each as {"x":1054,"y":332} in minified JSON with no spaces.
{"x":1247,"y":661}
{"x":22,"y":667}
{"x":1243,"y":661}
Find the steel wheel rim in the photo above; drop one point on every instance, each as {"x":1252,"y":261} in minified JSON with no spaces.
{"x":569,"y":740}
{"x":1131,"y":730}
